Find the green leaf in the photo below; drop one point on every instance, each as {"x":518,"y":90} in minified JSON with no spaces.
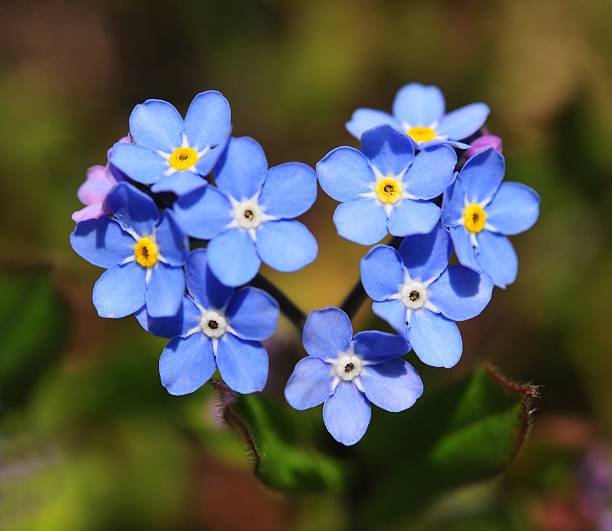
{"x":33,"y":328}
{"x":464,"y":432}
{"x":272,"y":435}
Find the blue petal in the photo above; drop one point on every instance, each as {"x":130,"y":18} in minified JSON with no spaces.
{"x":102,"y":242}
{"x":243,"y":365}
{"x":347,"y":414}
{"x":286,"y":245}
{"x":157,"y":125}
{"x":179,"y":183}
{"x":204,"y":213}
{"x":463,"y":122}
{"x":186,"y":364}
{"x":253,"y":314}
{"x":133,"y":209}
{"x":394,"y":312}
{"x":362,"y":221}
{"x":426,"y":255}
{"x":380,"y":346}
{"x":461,"y":293}
{"x":120,"y":291}
{"x":165,"y":290}
{"x":310,"y":383}
{"x":496,"y":256}
{"x":208,"y":120}
{"x":242,"y":169}
{"x":232,"y":257}
{"x":463,"y":247}
{"x":140,"y":164}
{"x":418,"y":104}
{"x":432,"y":172}
{"x":435,"y":339}
{"x":290,"y":190}
{"x":482,"y":174}
{"x":393,"y":386}
{"x":515,"y":208}
{"x":382,"y":272}
{"x":364,"y":119}
{"x":344,"y":173}
{"x":186,"y":319}
{"x":413,"y":217}
{"x":452,"y":205}
{"x":389,"y":150}
{"x":327,"y":332}
{"x":203,"y":286}
{"x":172,"y":242}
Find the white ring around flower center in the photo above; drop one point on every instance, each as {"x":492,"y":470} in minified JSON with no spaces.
{"x":213,"y":324}
{"x":347,"y":367}
{"x":248,"y":214}
{"x":413,"y":294}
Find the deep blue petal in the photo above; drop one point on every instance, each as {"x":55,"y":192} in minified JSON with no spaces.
{"x":435,"y":339}
{"x":310,"y":383}
{"x":186,"y":319}
{"x":232,"y":257}
{"x":379,"y":347}
{"x":344,"y":173}
{"x":514,"y":209}
{"x":327,"y":332}
{"x":156,"y":125}
{"x":417,"y":104}
{"x":208,"y":120}
{"x":346,"y":414}
{"x":139,"y":163}
{"x":394,"y":385}
{"x":364,"y":119}
{"x":165,"y":290}
{"x":289,"y":190}
{"x":463,"y":122}
{"x":394,"y":312}
{"x":390,"y":151}
{"x":413,"y":217}
{"x":362,"y":221}
{"x":133,"y":209}
{"x":120,"y":291}
{"x":426,"y":255}
{"x":102,"y":242}
{"x":382,"y":272}
{"x":253,"y":314}
{"x":203,"y":286}
{"x":286,"y":245}
{"x":464,"y":249}
{"x":482,"y":174}
{"x":496,"y":256}
{"x":242,"y":168}
{"x":243,"y":365}
{"x":186,"y":364}
{"x":204,"y":213}
{"x":179,"y":183}
{"x":452,"y":205}
{"x":432,"y":172}
{"x":171,"y":240}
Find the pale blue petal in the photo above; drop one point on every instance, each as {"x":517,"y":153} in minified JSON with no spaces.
{"x":252,"y":313}
{"x":464,"y":122}
{"x":344,"y":173}
{"x":482,"y":174}
{"x":139,"y":163}
{"x":435,"y":339}
{"x":120,"y":291}
{"x":242,"y":169}
{"x":203,"y":286}
{"x":362,"y":221}
{"x":133,"y":209}
{"x":187,"y":318}
{"x":156,"y":125}
{"x":426,"y":255}
{"x":165,"y":290}
{"x":102,"y":242}
{"x":496,"y":256}
{"x":310,"y":383}
{"x":186,"y":364}
{"x":286,"y":245}
{"x":452,"y":205}
{"x":382,"y":272}
{"x":379,"y":347}
{"x":418,"y":104}
{"x":364,"y":119}
{"x":179,"y":183}
{"x":232,"y":257}
{"x":208,"y":120}
{"x":432,"y":172}
{"x":346,"y":414}
{"x":171,"y":240}
{"x":464,"y":249}
{"x":390,"y":151}
{"x":289,"y":190}
{"x":393,"y":386}
{"x":394,"y":312}
{"x":413,"y":217}
{"x":327,"y":332}
{"x":243,"y":365}
{"x":514,"y":209}
{"x":204,"y":213}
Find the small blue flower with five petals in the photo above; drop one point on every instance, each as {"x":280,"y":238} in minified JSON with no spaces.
{"x":481,"y":212}
{"x":385,"y":188}
{"x":143,"y":254}
{"x":170,"y":153}
{"x":418,"y":111}
{"x":421,"y":297}
{"x":347,"y":373}
{"x":248,"y":216}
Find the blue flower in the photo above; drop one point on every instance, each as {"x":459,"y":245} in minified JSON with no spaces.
{"x":418,"y":111}
{"x":143,"y":253}
{"x":346,"y":373}
{"x":219,"y":328}
{"x":248,"y":216}
{"x":384,"y":187}
{"x":172,"y":154}
{"x":481,"y":211}
{"x":421,"y":297}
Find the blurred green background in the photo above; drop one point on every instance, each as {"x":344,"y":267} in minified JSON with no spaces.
{"x":89,"y":440}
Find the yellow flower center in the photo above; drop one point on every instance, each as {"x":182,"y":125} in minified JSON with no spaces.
{"x":421,"y":133}
{"x":388,"y":190}
{"x":146,"y":252}
{"x":183,"y":158}
{"x":474,"y":217}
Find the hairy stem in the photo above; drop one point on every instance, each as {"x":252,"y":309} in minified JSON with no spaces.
{"x":287,"y":306}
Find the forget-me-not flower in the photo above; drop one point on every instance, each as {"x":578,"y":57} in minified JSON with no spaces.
{"x":421,"y":297}
{"x":170,"y":153}
{"x":385,"y":188}
{"x":347,"y":373}
{"x":248,"y":216}
{"x":481,"y":212}
{"x":143,"y":253}
{"x":419,"y":112}
{"x":220,"y":328}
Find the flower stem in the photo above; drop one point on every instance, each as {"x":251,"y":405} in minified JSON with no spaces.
{"x":287,"y":306}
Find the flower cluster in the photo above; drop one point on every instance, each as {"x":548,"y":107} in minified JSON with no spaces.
{"x":183,"y":215}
